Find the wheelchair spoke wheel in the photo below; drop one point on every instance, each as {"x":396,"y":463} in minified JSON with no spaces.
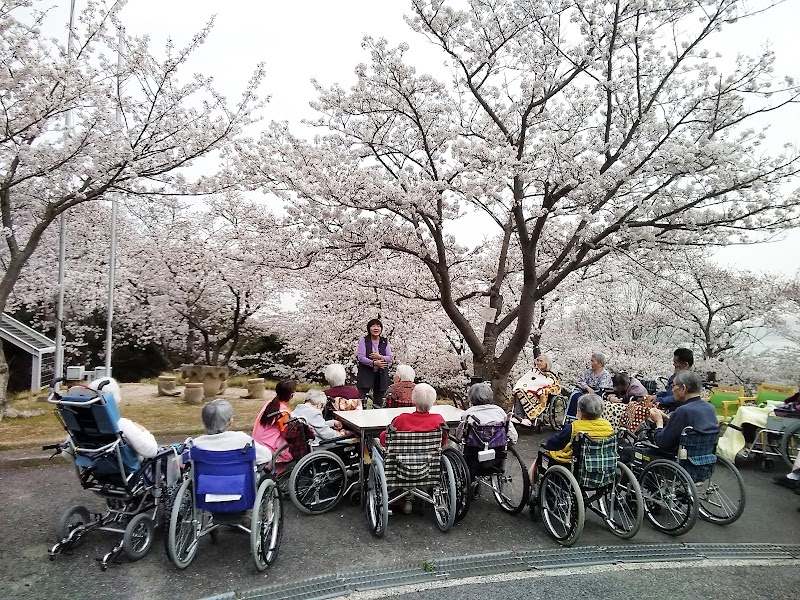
{"x":461,"y":472}
{"x":562,"y":509}
{"x":377,"y":498}
{"x":75,"y":517}
{"x":790,"y":443}
{"x":183,"y":526}
{"x":317,"y":482}
{"x":266,"y":527}
{"x":670,"y":497}
{"x":558,"y":408}
{"x":721,"y":496}
{"x":512,"y":486}
{"x":444,"y":497}
{"x":622,"y":506}
{"x":138,"y":536}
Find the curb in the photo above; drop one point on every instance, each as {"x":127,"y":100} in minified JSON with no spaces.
{"x":495,"y":563}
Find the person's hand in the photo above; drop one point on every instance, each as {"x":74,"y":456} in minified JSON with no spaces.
{"x":657,"y":417}
{"x":613,"y":398}
{"x":380,"y":363}
{"x":588,"y":390}
{"x":337,"y":425}
{"x":375,"y":356}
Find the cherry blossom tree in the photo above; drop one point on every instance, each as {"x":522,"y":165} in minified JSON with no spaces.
{"x":167,"y":122}
{"x":568,"y":132}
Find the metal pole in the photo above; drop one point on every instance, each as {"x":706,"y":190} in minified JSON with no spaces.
{"x":62,"y":234}
{"x":112,"y":276}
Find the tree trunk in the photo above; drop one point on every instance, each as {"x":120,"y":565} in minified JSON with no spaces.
{"x":490,"y":370}
{"x":3,"y":382}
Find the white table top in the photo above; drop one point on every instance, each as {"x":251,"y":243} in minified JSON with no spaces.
{"x":378,"y":418}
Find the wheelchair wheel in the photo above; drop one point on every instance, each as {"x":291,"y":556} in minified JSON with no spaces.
{"x":561,"y":502}
{"x":73,"y":518}
{"x":377,"y":498}
{"x":183,"y":526}
{"x":721,"y":496}
{"x":461,"y":472}
{"x":622,"y":507}
{"x":670,"y":497}
{"x":317,"y":482}
{"x":266,"y":527}
{"x":138,"y":536}
{"x":512,"y":487}
{"x":790,"y":443}
{"x":444,"y":498}
{"x":556,"y":412}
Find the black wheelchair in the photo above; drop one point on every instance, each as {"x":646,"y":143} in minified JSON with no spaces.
{"x":494,"y":464}
{"x":412,"y":464}
{"x":320,"y":474}
{"x":677,"y":489}
{"x":595,"y":479}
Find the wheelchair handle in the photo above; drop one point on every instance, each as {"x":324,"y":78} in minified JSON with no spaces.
{"x":54,"y":388}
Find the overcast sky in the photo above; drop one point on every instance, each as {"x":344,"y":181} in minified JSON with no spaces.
{"x":301,"y":39}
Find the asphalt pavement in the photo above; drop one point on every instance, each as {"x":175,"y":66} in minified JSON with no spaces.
{"x":32,"y":498}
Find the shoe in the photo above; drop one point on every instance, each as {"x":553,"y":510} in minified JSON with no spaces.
{"x":408,"y":506}
{"x":476,"y":488}
{"x":516,"y":421}
{"x":792,"y":484}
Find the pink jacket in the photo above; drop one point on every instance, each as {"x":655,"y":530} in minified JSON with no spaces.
{"x":271,"y":436}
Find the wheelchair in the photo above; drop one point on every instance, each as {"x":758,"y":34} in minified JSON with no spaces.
{"x":220,"y":486}
{"x":678,"y":489}
{"x":595,"y":479}
{"x":412,"y":464}
{"x":319,"y":475}
{"x":106,"y":465}
{"x":493,"y":463}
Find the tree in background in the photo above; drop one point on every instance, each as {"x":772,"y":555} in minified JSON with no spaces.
{"x":569,"y":132}
{"x":47,"y":169}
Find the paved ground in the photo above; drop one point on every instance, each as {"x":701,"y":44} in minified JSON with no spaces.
{"x":32,"y":499}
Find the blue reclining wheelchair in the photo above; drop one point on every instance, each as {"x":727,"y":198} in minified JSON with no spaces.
{"x":221,"y":485}
{"x":134,"y":491}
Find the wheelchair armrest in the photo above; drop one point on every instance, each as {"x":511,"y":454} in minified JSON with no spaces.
{"x":378,"y":446}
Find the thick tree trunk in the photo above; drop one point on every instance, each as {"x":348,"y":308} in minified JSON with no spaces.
{"x":490,"y":370}
{"x":3,"y":382}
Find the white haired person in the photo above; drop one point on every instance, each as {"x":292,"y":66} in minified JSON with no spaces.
{"x":311,"y":412}
{"x":342,"y":397}
{"x":399,"y":393}
{"x":483,"y":410}
{"x":422,"y":419}
{"x":217,"y":417}
{"x":532,"y":391}
{"x":595,"y":380}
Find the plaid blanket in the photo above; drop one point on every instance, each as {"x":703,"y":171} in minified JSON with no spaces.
{"x":700,"y":452}
{"x":297,"y":435}
{"x":595,"y":461}
{"x":413,"y":459}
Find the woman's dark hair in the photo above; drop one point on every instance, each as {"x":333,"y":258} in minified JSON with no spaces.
{"x":621,"y":380}
{"x":372,"y":322}
{"x":284,"y":390}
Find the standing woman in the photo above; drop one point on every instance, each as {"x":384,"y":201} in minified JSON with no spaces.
{"x":374,"y":355}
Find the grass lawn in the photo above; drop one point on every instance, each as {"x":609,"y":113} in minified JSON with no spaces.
{"x":163,"y":416}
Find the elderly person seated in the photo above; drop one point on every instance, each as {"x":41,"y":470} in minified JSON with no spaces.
{"x":590,"y":422}
{"x":532,"y":391}
{"x":483,"y":411}
{"x":691,"y":411}
{"x":217,"y":416}
{"x":399,"y":393}
{"x":421,"y":419}
{"x":311,"y":412}
{"x":342,"y":397}
{"x":626,"y":388}
{"x":595,"y":380}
